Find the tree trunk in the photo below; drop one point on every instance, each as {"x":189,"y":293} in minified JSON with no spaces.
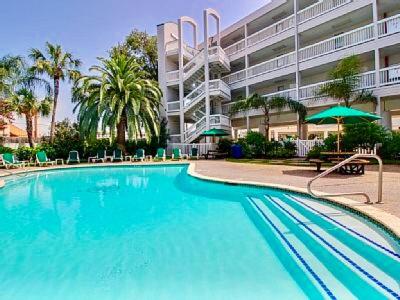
{"x":121,"y":128}
{"x":53,"y":115}
{"x":29,"y":130}
{"x":266,"y":124}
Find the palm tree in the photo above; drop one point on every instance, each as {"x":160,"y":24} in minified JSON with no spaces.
{"x":118,"y":98}
{"x":24,"y":102}
{"x":256,"y":101}
{"x":15,"y":76}
{"x":344,"y":83}
{"x":58,"y":66}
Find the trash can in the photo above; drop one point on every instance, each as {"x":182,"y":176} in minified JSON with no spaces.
{"x":237,"y":151}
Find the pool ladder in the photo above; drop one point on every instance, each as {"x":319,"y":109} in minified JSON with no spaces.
{"x":341,"y":164}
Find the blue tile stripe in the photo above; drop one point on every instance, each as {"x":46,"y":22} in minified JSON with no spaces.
{"x":295,"y":252}
{"x":342,"y":255}
{"x":346,"y":227}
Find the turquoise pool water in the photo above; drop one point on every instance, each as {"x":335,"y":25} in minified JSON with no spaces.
{"x":157,"y":233}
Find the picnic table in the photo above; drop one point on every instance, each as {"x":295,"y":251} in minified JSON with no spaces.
{"x":355,"y":167}
{"x":215,"y":154}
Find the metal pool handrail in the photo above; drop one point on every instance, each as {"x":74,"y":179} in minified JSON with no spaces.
{"x":356,"y":156}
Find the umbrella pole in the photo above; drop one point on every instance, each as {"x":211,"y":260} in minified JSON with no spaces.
{"x":338,"y":136}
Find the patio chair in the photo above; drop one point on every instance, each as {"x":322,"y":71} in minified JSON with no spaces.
{"x":176,"y":154}
{"x":160,"y":154}
{"x":117,"y":156}
{"x":100,"y":157}
{"x":194,"y":153}
{"x":9,"y":161}
{"x":139,"y":156}
{"x":73,"y":157}
{"x":43,"y":160}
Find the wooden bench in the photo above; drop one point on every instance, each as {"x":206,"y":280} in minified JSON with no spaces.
{"x":317,"y":162}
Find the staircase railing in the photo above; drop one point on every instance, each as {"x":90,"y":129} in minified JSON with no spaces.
{"x":343,"y":163}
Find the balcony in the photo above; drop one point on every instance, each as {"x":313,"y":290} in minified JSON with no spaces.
{"x":173,"y":106}
{"x":319,"y":8}
{"x":271,"y":31}
{"x":235,"y":48}
{"x":389,"y":76}
{"x":262,"y":68}
{"x":308,"y":13}
{"x":389,"y":26}
{"x":366,"y":81}
{"x":342,"y":41}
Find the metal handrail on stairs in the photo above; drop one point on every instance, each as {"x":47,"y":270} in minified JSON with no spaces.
{"x":356,"y":156}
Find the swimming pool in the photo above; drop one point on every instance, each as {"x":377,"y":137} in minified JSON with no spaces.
{"x":158,"y":233}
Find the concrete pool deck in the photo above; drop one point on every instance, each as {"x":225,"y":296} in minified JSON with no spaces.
{"x":296,"y":178}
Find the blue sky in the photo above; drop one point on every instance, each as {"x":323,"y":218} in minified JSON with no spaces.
{"x":88,"y":28}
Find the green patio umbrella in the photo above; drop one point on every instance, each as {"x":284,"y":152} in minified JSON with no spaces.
{"x":341,"y":115}
{"x":215,"y":132}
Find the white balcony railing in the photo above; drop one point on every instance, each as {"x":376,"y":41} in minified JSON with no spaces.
{"x":218,"y":54}
{"x":345,"y":40}
{"x":271,"y":30}
{"x":220,"y":120}
{"x":235,"y":77}
{"x":366,"y":81}
{"x":172,"y":76}
{"x":320,"y":8}
{"x":290,"y":93}
{"x":173,"y":106}
{"x":389,"y":26}
{"x":235,"y":48}
{"x":271,"y":65}
{"x":390,"y":75}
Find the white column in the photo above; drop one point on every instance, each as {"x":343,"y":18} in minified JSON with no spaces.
{"x":246,"y":59}
{"x":376,"y":52}
{"x":248,"y":123}
{"x":181,"y":81}
{"x":206,"y":70}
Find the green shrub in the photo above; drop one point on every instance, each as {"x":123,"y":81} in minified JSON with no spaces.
{"x":391,"y":146}
{"x":92,"y":147}
{"x":6,"y":150}
{"x":224,"y":145}
{"x":256,"y":143}
{"x":245,"y":148}
{"x":315,"y":152}
{"x":331,"y":142}
{"x":25,"y":153}
{"x":365,"y":135}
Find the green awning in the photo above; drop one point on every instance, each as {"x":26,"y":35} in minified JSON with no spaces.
{"x":342,"y":115}
{"x":215,"y":132}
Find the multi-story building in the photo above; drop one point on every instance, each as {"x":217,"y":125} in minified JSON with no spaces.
{"x":285,"y":48}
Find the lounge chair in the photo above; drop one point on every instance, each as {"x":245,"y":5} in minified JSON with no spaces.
{"x":43,"y":160}
{"x":176,"y":154}
{"x":139,"y":156}
{"x":194,"y":153}
{"x":100,"y":157}
{"x":160,"y":154}
{"x":9,"y":161}
{"x":73,"y":157}
{"x":117,"y":156}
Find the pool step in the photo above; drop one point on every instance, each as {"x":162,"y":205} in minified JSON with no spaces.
{"x":321,"y":277}
{"x":343,"y":255}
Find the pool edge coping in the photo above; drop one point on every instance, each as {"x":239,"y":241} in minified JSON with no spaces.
{"x":385,"y":220}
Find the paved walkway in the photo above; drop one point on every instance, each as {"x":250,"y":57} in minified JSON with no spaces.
{"x":295,"y":176}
